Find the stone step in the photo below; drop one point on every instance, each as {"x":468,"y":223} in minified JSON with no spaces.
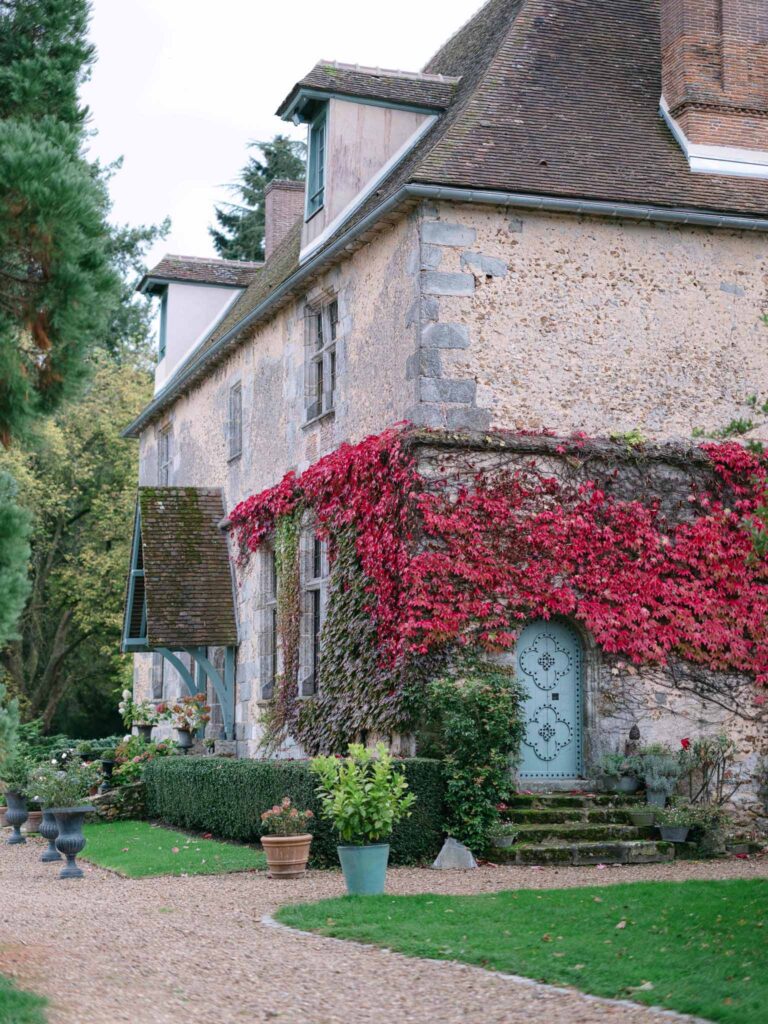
{"x":553,"y":815}
{"x":572,"y":800}
{"x":580,"y":831}
{"x":638,"y":851}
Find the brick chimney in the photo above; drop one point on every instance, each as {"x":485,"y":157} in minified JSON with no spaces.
{"x":714,"y":70}
{"x":283,"y":205}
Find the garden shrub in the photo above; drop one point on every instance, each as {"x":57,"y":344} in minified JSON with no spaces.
{"x":227,"y":796}
{"x":477,"y":727}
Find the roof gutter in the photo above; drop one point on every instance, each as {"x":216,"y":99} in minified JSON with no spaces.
{"x":517,"y":200}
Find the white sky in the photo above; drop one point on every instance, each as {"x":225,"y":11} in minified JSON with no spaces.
{"x":181,"y":86}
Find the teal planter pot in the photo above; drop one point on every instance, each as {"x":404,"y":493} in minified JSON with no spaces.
{"x":365,"y":868}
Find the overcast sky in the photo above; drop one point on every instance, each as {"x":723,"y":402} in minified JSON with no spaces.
{"x":181,"y":86}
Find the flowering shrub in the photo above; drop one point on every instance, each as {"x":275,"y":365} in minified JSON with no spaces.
{"x":134,"y":754}
{"x":462,"y":563}
{"x":65,"y":781}
{"x":286,"y":820}
{"x":191,"y":713}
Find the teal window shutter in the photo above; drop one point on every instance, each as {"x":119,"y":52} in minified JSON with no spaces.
{"x":316,"y":176}
{"x":163,"y":325}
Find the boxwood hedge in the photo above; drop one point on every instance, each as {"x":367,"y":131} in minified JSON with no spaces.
{"x":226,"y":797}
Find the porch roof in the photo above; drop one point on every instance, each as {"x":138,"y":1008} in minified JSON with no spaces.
{"x":181,"y":571}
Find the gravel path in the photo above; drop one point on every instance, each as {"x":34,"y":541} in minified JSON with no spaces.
{"x":157,"y":951}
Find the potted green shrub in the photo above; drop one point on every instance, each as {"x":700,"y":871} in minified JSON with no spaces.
{"x":364,"y":796}
{"x":288,"y":839}
{"x":642,"y":816}
{"x":618,"y":773}
{"x":675,"y":822}
{"x":504,"y":835}
{"x":660,"y":770}
{"x":15,"y":779}
{"x":63,"y":787}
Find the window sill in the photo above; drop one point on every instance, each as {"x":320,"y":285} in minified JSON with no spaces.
{"x":328,"y":414}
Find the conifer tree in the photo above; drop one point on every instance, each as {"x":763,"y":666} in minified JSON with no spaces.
{"x":57,"y":287}
{"x":240,"y":231}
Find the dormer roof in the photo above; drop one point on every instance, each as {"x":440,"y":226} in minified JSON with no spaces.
{"x":197,"y":270}
{"x":414,"y":89}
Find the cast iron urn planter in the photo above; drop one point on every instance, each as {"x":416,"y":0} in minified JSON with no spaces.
{"x":184,"y":739}
{"x":49,"y":830}
{"x":145,"y":732}
{"x":16,"y":815}
{"x":70,"y":840}
{"x":107,"y":767}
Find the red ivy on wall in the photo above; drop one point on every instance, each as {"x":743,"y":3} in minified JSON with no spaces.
{"x":465,"y":562}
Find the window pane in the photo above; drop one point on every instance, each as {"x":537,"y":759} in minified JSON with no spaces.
{"x":319,"y":331}
{"x":332,"y":365}
{"x":235,"y":420}
{"x":333,"y":316}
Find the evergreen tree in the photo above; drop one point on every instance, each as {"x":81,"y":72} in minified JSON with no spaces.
{"x":57,"y":285}
{"x":14,"y":556}
{"x":240,"y":231}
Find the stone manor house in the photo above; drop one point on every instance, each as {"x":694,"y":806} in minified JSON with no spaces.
{"x":560,"y":222}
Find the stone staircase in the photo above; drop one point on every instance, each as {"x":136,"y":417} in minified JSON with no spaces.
{"x":560,"y":828}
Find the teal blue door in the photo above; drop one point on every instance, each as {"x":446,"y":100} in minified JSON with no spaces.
{"x":548,"y":663}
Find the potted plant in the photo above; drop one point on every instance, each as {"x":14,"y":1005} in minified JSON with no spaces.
{"x":142,"y":714}
{"x":364,"y":796}
{"x":107,"y":761}
{"x":189,"y":715}
{"x":288,"y":840}
{"x":618,"y":773}
{"x":63,"y":786}
{"x":660,"y":770}
{"x":642,"y":816}
{"x":674,"y":822}
{"x":504,"y":835}
{"x":15,"y":778}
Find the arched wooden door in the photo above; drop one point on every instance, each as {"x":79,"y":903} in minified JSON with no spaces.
{"x":549,"y":664}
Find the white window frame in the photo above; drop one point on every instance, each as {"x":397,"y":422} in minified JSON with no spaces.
{"x":164,"y":456}
{"x":315,"y":578}
{"x":235,"y":420}
{"x":270,"y":647}
{"x":322,"y":340}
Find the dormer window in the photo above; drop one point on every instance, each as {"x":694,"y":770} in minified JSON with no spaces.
{"x":316,"y":168}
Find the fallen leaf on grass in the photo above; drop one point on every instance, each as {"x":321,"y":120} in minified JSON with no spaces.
{"x":621,"y":924}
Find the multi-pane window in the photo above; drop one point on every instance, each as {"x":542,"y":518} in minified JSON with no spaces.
{"x":235,"y":420}
{"x":322,"y":335}
{"x":315,"y":587}
{"x":158,"y":676}
{"x":164,"y":457}
{"x":269,"y":674}
{"x":316,"y":171}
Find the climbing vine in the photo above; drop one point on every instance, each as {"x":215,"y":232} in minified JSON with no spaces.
{"x":423,"y":566}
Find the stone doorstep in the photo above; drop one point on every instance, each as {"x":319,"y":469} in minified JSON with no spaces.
{"x":624,"y":852}
{"x":562,"y":800}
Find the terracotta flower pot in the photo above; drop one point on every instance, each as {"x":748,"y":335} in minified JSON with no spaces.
{"x":33,"y":822}
{"x":287,"y":856}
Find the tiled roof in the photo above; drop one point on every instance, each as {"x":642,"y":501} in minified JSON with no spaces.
{"x":197,"y":270}
{"x":434,"y":91}
{"x":186,"y":568}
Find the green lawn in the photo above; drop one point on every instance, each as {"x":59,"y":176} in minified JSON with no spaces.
{"x":17,"y":1007}
{"x":137,"y":849}
{"x":696,"y":947}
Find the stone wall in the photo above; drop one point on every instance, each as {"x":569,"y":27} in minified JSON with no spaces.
{"x":533,"y":320}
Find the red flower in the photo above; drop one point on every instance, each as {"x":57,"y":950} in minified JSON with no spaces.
{"x":685,"y":743}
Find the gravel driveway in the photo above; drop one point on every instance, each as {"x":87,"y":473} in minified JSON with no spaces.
{"x":164,"y":950}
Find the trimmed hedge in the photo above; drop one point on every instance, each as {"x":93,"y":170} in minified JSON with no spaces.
{"x":226,"y":797}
